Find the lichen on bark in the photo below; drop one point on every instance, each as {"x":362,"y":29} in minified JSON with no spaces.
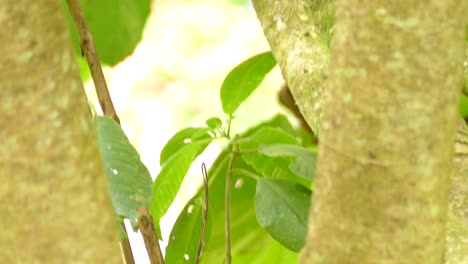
{"x":299,"y":32}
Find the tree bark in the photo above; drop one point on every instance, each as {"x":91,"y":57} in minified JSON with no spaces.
{"x":388,"y":130}
{"x":298,"y":32}
{"x":54,"y":200}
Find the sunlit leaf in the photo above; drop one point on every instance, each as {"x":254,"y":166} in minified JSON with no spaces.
{"x":182,"y":138}
{"x":282,"y":208}
{"x":271,"y":252}
{"x":170,"y":178}
{"x":246,"y":236}
{"x":214,"y":122}
{"x":130,"y":183}
{"x":185,"y":235}
{"x":244,"y":79}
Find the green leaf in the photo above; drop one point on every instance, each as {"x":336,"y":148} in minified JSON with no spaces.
{"x":116,"y":26}
{"x":244,"y":79}
{"x":304,"y":159}
{"x":182,"y":138}
{"x":282,"y":208}
{"x":273,"y":167}
{"x":185,"y":235}
{"x":130,"y":183}
{"x":271,"y":252}
{"x":282,"y":122}
{"x":463,"y":106}
{"x":246,"y":236}
{"x":170,"y":178}
{"x":214,"y":122}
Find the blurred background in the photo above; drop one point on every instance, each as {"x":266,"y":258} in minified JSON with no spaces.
{"x":172,"y":81}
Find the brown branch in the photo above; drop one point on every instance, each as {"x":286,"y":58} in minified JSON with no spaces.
{"x":145,"y":223}
{"x":89,"y":50}
{"x":105,"y":101}
{"x":127,"y":254}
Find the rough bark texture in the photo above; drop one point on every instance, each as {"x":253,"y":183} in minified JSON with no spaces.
{"x":54,"y":200}
{"x":282,"y":42}
{"x":388,"y":129}
{"x":298,"y":32}
{"x":457,"y":223}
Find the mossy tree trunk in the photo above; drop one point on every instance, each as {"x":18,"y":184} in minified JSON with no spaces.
{"x":385,"y":109}
{"x":54,"y":201}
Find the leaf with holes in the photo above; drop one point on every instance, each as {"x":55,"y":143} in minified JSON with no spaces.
{"x":185,"y":235}
{"x":282,"y":208}
{"x":130,"y":183}
{"x":240,"y":83}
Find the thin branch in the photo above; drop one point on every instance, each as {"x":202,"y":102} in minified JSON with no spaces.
{"x":146,"y":226}
{"x":89,"y":50}
{"x":201,"y":242}
{"x":227,"y":205}
{"x":125,"y":248}
{"x":105,"y":101}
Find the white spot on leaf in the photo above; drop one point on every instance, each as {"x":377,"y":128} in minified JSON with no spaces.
{"x":115,"y":171}
{"x":187,"y":140}
{"x":239,"y":183}
{"x":186,"y":257}
{"x":190,"y":209}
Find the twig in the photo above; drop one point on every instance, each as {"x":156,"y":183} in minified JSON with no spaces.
{"x":145,"y":223}
{"x":89,"y":50}
{"x":127,"y":254}
{"x":227,"y":206}
{"x":201,"y":242}
{"x":105,"y":101}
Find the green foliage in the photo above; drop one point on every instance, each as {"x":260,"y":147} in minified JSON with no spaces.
{"x":181,"y":139}
{"x":304,"y":162}
{"x":116,"y":26}
{"x":274,"y":166}
{"x":271,"y":180}
{"x":283,"y":210}
{"x":271,"y":183}
{"x":129,"y":180}
{"x":175,"y":166}
{"x":214,"y":123}
{"x":244,"y":79}
{"x":183,"y":241}
{"x":463,"y":108}
{"x":248,"y":239}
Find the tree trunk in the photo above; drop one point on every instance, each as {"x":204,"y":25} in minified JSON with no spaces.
{"x":387,"y":135}
{"x":54,"y":200}
{"x":388,"y":125}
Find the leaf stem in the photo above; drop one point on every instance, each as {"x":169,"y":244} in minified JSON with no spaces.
{"x":228,"y":204}
{"x":201,"y":242}
{"x":229,"y":127}
{"x":247,"y":173}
